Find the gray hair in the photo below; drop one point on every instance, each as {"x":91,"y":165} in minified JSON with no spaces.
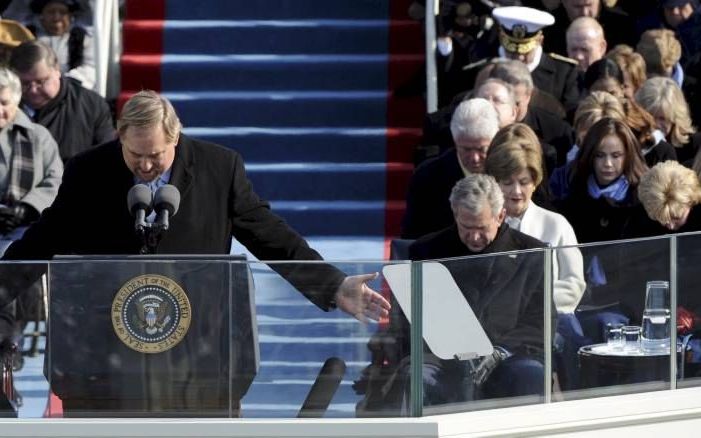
{"x":10,"y":81}
{"x":513,"y":72}
{"x":474,"y":119}
{"x":146,"y":109}
{"x":509,"y":89}
{"x":473,"y":191}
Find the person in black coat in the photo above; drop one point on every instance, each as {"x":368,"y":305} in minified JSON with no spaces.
{"x":619,"y":27}
{"x":671,"y":195}
{"x":603,"y":206}
{"x":505,"y":292}
{"x":555,"y":134}
{"x":521,"y":37}
{"x":90,"y":217}
{"x":473,"y":125}
{"x":77,"y":118}
{"x":217,"y":202}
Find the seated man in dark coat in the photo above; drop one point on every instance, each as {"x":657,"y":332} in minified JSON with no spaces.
{"x":555,"y":134}
{"x":473,"y":125}
{"x":505,"y":293}
{"x":77,"y":118}
{"x":619,"y":26}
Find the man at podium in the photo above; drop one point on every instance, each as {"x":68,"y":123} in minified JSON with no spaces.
{"x":216,"y":202}
{"x":89,"y":215}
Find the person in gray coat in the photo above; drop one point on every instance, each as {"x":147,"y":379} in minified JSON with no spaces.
{"x":30,"y":165}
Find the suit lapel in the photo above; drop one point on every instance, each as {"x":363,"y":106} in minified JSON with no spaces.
{"x":499,"y":269}
{"x":181,"y":177}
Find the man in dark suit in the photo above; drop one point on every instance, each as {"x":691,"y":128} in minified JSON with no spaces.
{"x":620,"y":27}
{"x":217,"y":202}
{"x":77,"y":118}
{"x":555,"y":134}
{"x":505,"y":293}
{"x":521,"y":38}
{"x":473,"y":125}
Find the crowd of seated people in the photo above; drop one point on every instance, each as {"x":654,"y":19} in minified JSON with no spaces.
{"x":48,"y":114}
{"x":597,"y":105}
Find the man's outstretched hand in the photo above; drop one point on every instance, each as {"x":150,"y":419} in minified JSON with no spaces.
{"x":356,"y":298}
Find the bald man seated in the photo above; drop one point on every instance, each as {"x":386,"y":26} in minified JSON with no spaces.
{"x":585,"y":42}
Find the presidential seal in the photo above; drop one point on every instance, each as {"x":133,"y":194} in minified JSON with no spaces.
{"x":151,"y":313}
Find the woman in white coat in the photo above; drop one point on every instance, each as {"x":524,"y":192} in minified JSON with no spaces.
{"x":514,"y":159}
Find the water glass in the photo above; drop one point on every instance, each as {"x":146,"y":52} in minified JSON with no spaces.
{"x":657,"y":295}
{"x":614,"y":336}
{"x":631,"y":337}
{"x":655,"y":334}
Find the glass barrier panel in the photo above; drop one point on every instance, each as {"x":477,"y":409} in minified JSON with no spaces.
{"x":324,"y":364}
{"x":689,"y":309}
{"x":23,"y":306}
{"x":218,"y":337}
{"x":483,"y":326}
{"x":613,"y":314}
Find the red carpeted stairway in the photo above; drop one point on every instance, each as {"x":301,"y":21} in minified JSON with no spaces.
{"x":304,"y":90}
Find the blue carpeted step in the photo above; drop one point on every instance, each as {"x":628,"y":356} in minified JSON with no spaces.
{"x":319,"y":181}
{"x":282,"y":109}
{"x":312,"y":348}
{"x":276,"y":9}
{"x":279,"y":145}
{"x":279,"y":37}
{"x":332,"y":218}
{"x":276,"y":72}
{"x":296,"y":369}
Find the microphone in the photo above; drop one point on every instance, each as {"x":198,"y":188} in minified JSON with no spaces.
{"x":166,"y":203}
{"x":323,"y":389}
{"x":139,"y":204}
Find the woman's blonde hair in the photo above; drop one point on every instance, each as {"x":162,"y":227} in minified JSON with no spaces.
{"x":594,"y":107}
{"x":631,"y":63}
{"x":147,"y":108}
{"x":667,"y":190}
{"x":513,"y":149}
{"x":661,"y":51}
{"x":660,"y":95}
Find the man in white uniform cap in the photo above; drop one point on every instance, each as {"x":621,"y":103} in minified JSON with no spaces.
{"x":521,"y":38}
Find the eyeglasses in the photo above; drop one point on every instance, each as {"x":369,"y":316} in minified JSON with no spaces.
{"x":39,"y":83}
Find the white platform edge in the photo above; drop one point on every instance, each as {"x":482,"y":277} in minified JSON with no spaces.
{"x":639,"y":415}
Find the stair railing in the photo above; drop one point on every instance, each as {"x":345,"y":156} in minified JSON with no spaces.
{"x":432,"y":9}
{"x":108,"y":44}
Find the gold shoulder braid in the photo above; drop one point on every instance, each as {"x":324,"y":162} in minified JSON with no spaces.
{"x":563,"y":58}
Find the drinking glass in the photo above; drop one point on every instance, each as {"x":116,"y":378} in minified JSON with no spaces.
{"x":614,"y":336}
{"x":655,"y":334}
{"x":631,"y":336}
{"x":657,"y":295}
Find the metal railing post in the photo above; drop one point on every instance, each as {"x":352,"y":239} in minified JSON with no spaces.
{"x":673,"y":313}
{"x":417,"y":351}
{"x":547,"y":323}
{"x":432,"y":8}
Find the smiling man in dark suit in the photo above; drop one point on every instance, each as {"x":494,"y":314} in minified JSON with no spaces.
{"x":217,"y":202}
